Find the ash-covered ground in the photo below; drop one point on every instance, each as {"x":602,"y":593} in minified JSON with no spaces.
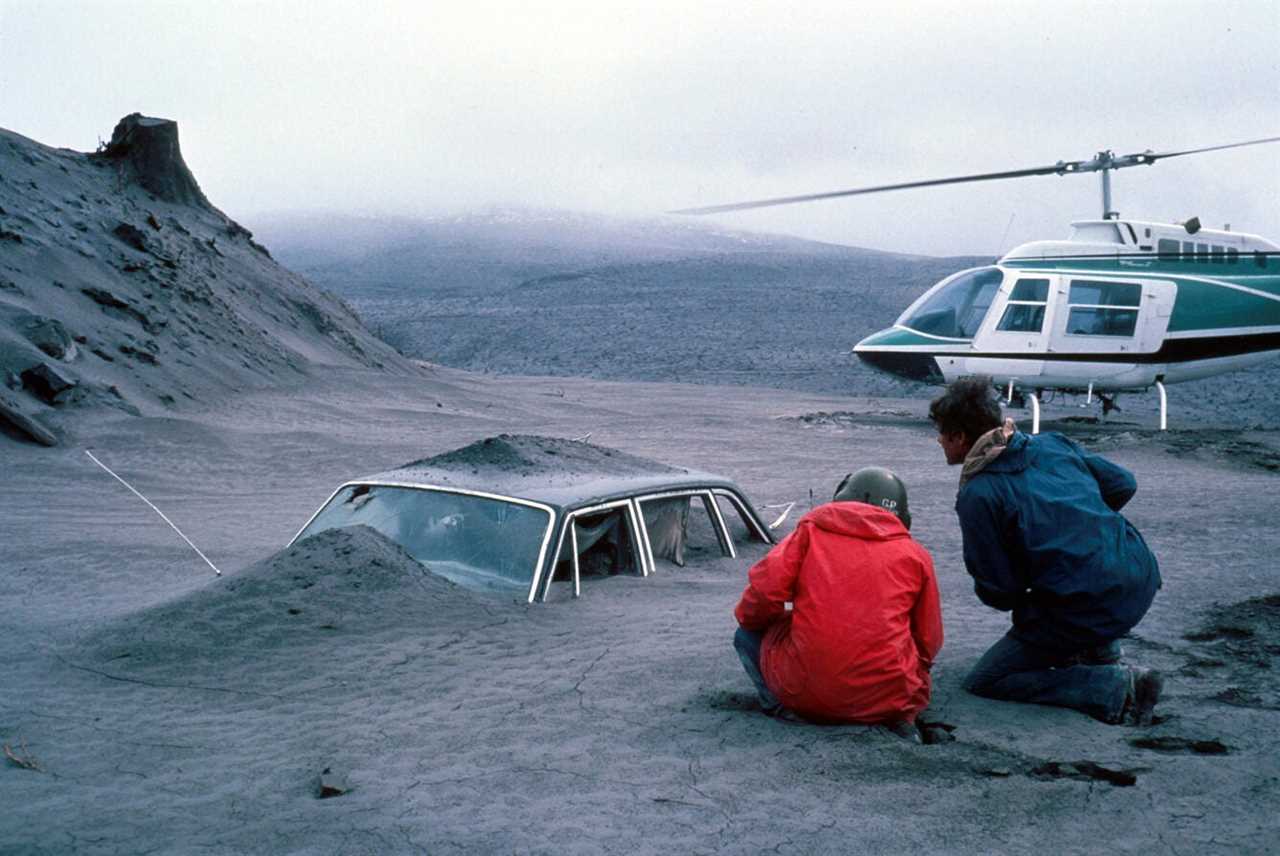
{"x":154,"y":707}
{"x":334,"y":696}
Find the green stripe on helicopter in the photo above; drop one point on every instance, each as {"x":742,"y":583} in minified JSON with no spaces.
{"x":901,"y":337}
{"x":1265,"y":269}
{"x":1208,"y":306}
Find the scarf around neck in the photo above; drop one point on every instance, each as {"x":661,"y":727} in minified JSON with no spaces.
{"x":986,"y":449}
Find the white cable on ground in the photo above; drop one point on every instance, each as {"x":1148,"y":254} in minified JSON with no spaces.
{"x":156,"y":510}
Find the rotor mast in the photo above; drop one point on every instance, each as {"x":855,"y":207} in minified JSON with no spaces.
{"x":1107,"y":213}
{"x":1103,"y":162}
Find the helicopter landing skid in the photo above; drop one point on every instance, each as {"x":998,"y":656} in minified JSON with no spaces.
{"x":1020,"y":398}
{"x":1110,"y":403}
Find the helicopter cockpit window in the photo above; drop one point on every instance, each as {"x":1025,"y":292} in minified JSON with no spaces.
{"x":1025,"y":310}
{"x":1092,"y":311}
{"x":956,"y":308}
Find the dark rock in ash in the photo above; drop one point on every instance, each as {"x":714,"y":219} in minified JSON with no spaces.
{"x":1085,"y":771}
{"x":48,"y":335}
{"x":150,"y":148}
{"x":113,"y":305}
{"x":132,"y":236}
{"x":1181,"y":745}
{"x":45,"y":382}
{"x":11,"y":414}
{"x":102,"y":297}
{"x":330,"y":784}
{"x":139,"y":355}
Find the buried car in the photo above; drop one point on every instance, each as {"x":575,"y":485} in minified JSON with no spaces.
{"x":518,"y":512}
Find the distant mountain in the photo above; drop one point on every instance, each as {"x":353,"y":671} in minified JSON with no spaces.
{"x":122,"y":286}
{"x":547,"y":292}
{"x":382,"y":256}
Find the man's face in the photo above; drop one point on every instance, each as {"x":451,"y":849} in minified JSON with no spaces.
{"x":955,"y":446}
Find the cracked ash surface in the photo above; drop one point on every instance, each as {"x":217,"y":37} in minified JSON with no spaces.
{"x":171,"y":711}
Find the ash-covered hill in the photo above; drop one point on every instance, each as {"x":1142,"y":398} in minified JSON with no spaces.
{"x":122,"y":286}
{"x":547,"y":292}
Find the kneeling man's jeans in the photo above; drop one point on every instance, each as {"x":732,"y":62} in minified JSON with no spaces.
{"x":747,"y":644}
{"x":1089,"y":681}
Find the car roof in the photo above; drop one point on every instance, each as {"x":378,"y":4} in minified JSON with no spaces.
{"x":565,"y":474}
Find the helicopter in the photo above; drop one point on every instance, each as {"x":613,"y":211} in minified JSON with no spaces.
{"x":1119,"y":305}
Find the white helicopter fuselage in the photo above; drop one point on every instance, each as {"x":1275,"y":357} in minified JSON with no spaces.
{"x":1119,"y":305}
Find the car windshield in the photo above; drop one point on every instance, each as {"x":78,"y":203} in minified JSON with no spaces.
{"x":956,"y":306}
{"x":468,"y":539}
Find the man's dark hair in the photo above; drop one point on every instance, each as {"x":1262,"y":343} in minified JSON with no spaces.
{"x":968,"y":407}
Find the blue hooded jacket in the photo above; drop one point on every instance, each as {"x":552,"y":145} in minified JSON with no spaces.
{"x":1044,"y":537}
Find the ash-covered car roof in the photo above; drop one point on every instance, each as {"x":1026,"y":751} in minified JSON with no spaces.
{"x":557,"y":472}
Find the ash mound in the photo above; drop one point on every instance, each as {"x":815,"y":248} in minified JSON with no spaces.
{"x":122,"y":286}
{"x":321,"y":591}
{"x":533,"y":456}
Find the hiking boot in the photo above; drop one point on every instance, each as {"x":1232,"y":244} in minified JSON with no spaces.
{"x":1145,"y":686}
{"x":779,"y":712}
{"x":904,"y":729}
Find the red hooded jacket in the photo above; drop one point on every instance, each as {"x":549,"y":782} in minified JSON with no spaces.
{"x":865,"y":622}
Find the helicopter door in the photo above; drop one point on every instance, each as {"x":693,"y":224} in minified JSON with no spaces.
{"x":1110,"y":318}
{"x":1016,"y":337}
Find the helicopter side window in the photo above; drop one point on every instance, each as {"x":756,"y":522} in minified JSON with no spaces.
{"x":1096,"y":293}
{"x":1233,"y":255}
{"x":1216,"y":252}
{"x":1033,"y":290}
{"x":1092,"y":308}
{"x":1169,"y":249}
{"x":1025,"y":311}
{"x":1102,"y":322}
{"x":956,"y":309}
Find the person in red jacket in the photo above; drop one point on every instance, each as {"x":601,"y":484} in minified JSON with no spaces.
{"x":865,"y":622}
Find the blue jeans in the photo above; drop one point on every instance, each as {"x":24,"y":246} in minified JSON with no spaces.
{"x":1090,"y":681}
{"x":747,"y":644}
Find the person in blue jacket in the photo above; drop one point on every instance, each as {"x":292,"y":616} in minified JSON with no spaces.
{"x":1045,"y":540}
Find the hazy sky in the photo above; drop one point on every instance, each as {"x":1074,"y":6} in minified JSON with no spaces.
{"x":425,"y":108}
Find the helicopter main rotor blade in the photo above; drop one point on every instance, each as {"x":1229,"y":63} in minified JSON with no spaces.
{"x":1154,"y":155}
{"x":810,"y":197}
{"x":1102,"y":161}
